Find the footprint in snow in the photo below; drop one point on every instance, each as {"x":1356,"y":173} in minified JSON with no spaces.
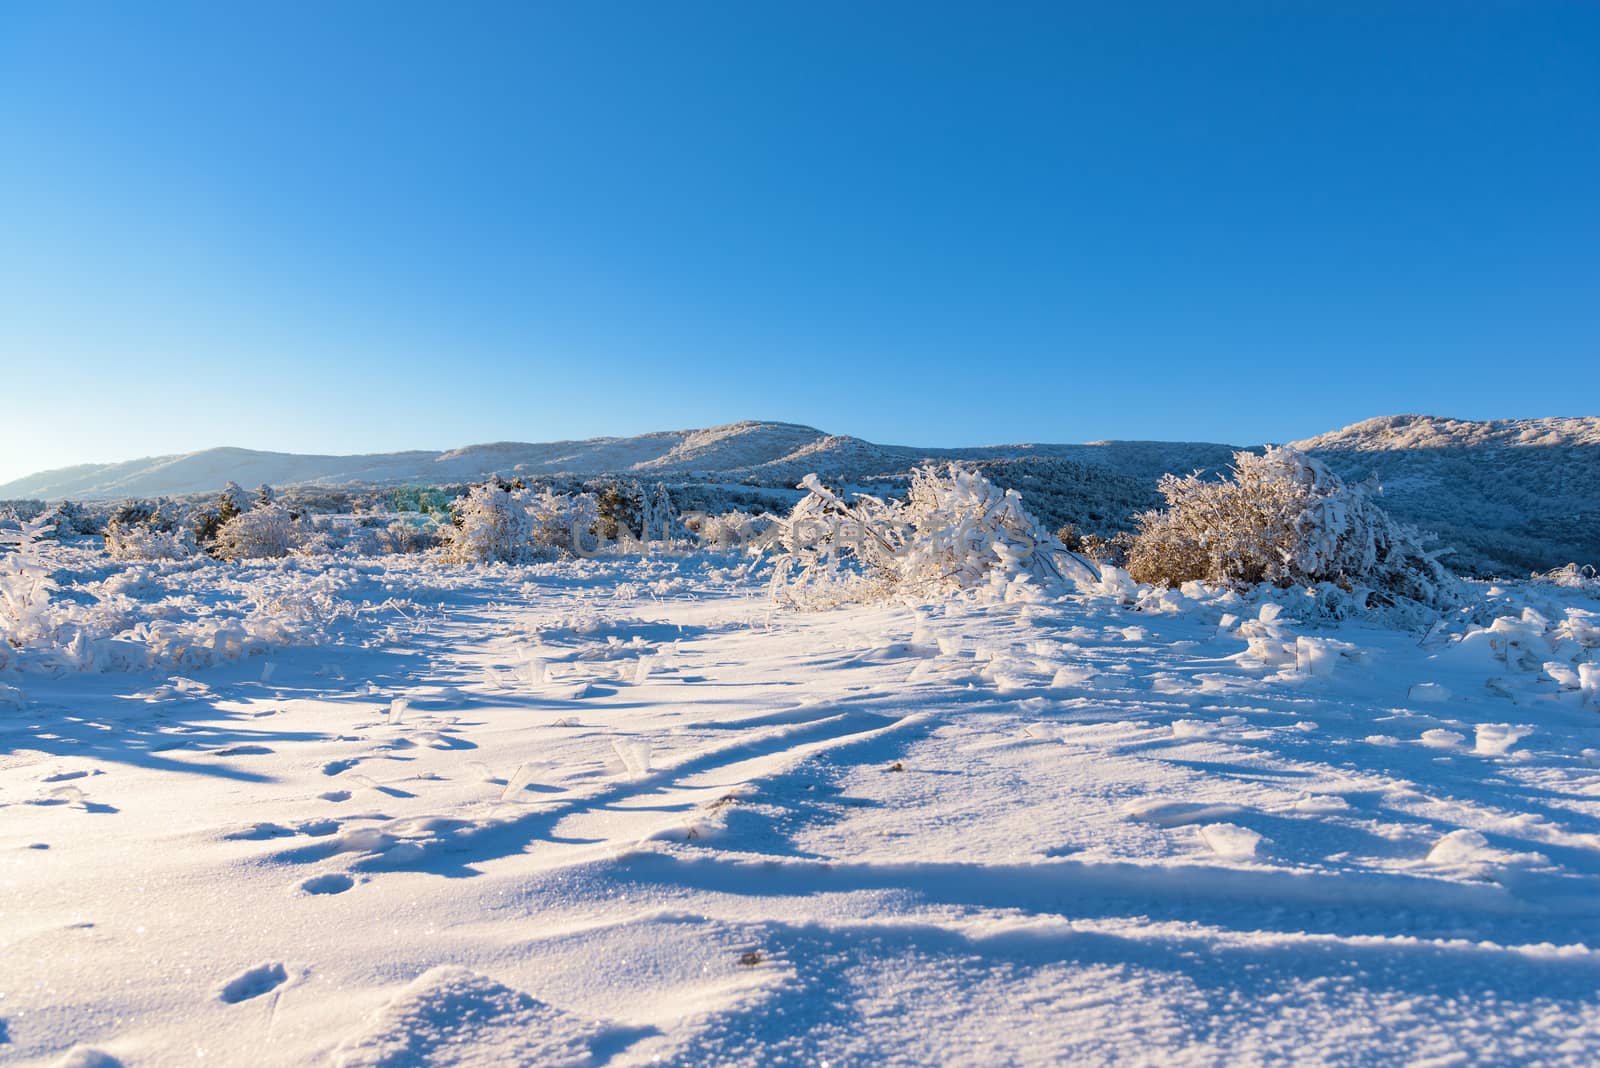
{"x":333,"y":883}
{"x":336,"y":767}
{"x":242,"y":750}
{"x":253,"y":983}
{"x":335,"y":795}
{"x":260,"y":832}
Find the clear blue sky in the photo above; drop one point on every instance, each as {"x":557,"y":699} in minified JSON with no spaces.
{"x":362,"y":227}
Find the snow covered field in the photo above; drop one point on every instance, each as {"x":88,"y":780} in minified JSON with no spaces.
{"x":626,"y":810}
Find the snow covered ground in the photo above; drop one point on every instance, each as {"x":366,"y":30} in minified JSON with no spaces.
{"x":624,"y":811}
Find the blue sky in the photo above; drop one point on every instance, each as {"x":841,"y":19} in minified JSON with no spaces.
{"x":364,"y":227}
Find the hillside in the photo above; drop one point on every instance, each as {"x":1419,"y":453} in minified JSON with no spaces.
{"x":764,"y":453}
{"x":735,"y":446}
{"x":1510,"y":496}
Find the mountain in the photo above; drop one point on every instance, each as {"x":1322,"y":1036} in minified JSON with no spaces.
{"x":1509,"y":496}
{"x":761,"y":452}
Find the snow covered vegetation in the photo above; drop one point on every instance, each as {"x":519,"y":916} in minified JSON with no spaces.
{"x":491,"y":523}
{"x":27,"y":619}
{"x":1508,"y":497}
{"x":579,"y":774}
{"x":1285,"y":519}
{"x":266,"y":532}
{"x":955,"y":530}
{"x":513,"y":524}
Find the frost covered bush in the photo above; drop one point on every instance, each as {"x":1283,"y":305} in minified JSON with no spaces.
{"x":403,"y":537}
{"x":135,"y":541}
{"x":311,"y":542}
{"x":515,"y":525}
{"x":619,"y":502}
{"x":27,"y":617}
{"x":954,"y":531}
{"x":266,"y":532}
{"x":57,"y":615}
{"x":563,"y":523}
{"x":137,"y":530}
{"x":142,"y":531}
{"x":658,"y":518}
{"x":73,"y":518}
{"x":206,"y":522}
{"x":728,"y":530}
{"x":491,"y":523}
{"x":1571,"y":577}
{"x":1287,"y":520}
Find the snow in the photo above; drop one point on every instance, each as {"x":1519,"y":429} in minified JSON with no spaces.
{"x":1508,"y":496}
{"x":492,"y":814}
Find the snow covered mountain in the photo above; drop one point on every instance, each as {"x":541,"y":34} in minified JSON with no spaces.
{"x":764,"y":452}
{"x":1509,"y":496}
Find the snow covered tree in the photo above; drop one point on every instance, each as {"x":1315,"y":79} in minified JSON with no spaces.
{"x":1286,"y":519}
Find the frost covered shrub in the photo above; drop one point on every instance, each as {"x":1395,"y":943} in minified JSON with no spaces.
{"x":140,"y":531}
{"x":27,"y":617}
{"x":619,"y":502}
{"x":134,"y":541}
{"x":73,"y":518}
{"x":403,"y":537}
{"x":314,"y":542}
{"x":658,"y":519}
{"x":512,"y":524}
{"x":728,"y":530}
{"x":628,"y":515}
{"x":563,"y":523}
{"x":55,"y":617}
{"x":1096,"y":547}
{"x":266,"y":532}
{"x":1287,"y":520}
{"x":490,"y":523}
{"x":1571,"y":577}
{"x":205,"y":523}
{"x":954,"y":531}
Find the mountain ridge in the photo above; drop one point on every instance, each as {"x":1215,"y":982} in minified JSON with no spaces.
{"x":1509,"y":495}
{"x":746,"y":449}
{"x":759,"y":449}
